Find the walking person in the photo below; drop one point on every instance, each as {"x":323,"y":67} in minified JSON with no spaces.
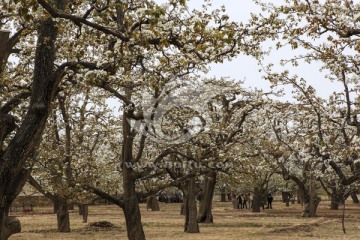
{"x":269,"y":200}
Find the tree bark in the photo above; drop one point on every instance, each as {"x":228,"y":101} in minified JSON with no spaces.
{"x":354,"y":197}
{"x":29,"y":133}
{"x":132,"y":212}
{"x":63,"y":218}
{"x":85,"y":212}
{"x":191,"y":223}
{"x":336,"y":194}
{"x":334,"y":204}
{"x":4,"y":39}
{"x":205,"y":208}
{"x":10,"y":226}
{"x":56,"y":204}
{"x":283,"y":197}
{"x":60,"y":206}
{"x":311,"y":199}
{"x":286,"y":198}
{"x":131,"y":207}
{"x":308,"y":196}
{"x":152,"y":203}
{"x":257,"y":200}
{"x":311,"y":207}
{"x":183,"y":204}
{"x":71,"y":206}
{"x":223,"y":197}
{"x":80,"y":206}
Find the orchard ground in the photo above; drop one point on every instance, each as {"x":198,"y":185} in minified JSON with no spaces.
{"x":281,"y":223}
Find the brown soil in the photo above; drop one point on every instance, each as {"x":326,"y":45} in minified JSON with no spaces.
{"x":281,"y":223}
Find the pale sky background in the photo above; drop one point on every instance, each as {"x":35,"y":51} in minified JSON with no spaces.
{"x":245,"y":67}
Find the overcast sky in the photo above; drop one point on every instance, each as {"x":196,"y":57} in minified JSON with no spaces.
{"x":244,"y":67}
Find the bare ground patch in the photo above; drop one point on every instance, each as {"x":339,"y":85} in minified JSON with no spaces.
{"x":304,"y":227}
{"x":281,"y":223}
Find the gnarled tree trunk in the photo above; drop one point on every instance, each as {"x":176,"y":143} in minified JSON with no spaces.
{"x":205,"y":208}
{"x":334,"y":203}
{"x":286,"y":198}
{"x":11,"y":225}
{"x":354,"y":197}
{"x":56,"y":205}
{"x":85,"y":212}
{"x":336,"y":194}
{"x":29,"y":134}
{"x":310,"y":207}
{"x":71,"y":206}
{"x":311,"y":199}
{"x":183,"y":204}
{"x":4,"y":51}
{"x":152,"y":203}
{"x":132,"y":211}
{"x":60,"y":206}
{"x":257,"y":200}
{"x":308,"y":195}
{"x":191,"y":223}
{"x":8,"y":225}
{"x":63,"y":218}
{"x":222,"y":197}
{"x":131,"y":207}
{"x":80,"y":209}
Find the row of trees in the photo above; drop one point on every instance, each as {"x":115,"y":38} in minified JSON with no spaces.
{"x":75,"y":59}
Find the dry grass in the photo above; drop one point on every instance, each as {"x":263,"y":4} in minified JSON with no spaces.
{"x":279,"y":223}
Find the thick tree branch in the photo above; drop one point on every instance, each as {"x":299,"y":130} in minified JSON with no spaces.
{"x":345,"y":181}
{"x":105,"y":195}
{"x":174,"y":183}
{"x":38,"y":187}
{"x":81,"y":20}
{"x":12,"y":103}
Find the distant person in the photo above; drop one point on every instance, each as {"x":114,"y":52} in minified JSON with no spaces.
{"x":249,"y":200}
{"x":269,"y":200}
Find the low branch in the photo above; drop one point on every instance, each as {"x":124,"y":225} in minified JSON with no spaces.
{"x":175,"y":183}
{"x":38,"y":187}
{"x":105,"y":195}
{"x":345,"y":181}
{"x":160,"y":157}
